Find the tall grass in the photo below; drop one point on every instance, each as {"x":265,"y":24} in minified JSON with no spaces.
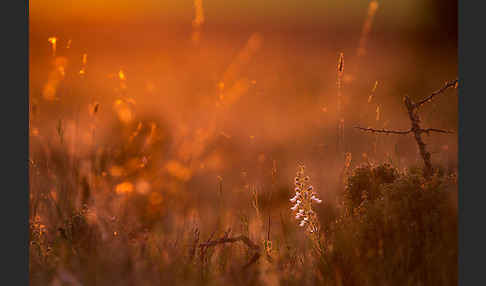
{"x":118,"y":211}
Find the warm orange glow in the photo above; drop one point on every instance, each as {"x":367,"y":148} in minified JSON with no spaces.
{"x":374,"y":86}
{"x":34,"y":131}
{"x":54,"y":78}
{"x":124,"y":188}
{"x":136,"y":132}
{"x":261,"y":158}
{"x":85,"y":59}
{"x":150,"y":87}
{"x":214,"y":162}
{"x":253,"y":44}
{"x":198,"y":21}
{"x":225,"y":135}
{"x":152,"y":135}
{"x":143,"y":187}
{"x":178,"y":170}
{"x":188,"y":122}
{"x":372,"y":7}
{"x":155,"y":198}
{"x":53,"y":41}
{"x":373,"y":90}
{"x":125,"y":114}
{"x":124,"y":111}
{"x":199,"y":18}
{"x":121,"y":75}
{"x":116,"y":171}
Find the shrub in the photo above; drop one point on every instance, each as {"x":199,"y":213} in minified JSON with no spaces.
{"x":395,"y":230}
{"x":366,"y":182}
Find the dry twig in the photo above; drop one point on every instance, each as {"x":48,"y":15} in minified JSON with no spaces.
{"x":449,"y":84}
{"x":244,"y":239}
{"x":412,"y":110}
{"x":384,"y":131}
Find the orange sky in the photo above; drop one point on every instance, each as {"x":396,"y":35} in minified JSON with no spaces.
{"x":405,"y":13}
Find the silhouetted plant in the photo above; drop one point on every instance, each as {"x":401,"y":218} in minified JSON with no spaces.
{"x":394,"y":230}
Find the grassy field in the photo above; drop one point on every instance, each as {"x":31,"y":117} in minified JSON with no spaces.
{"x":212,"y":156}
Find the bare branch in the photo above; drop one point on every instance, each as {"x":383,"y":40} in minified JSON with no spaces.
{"x":242,"y":238}
{"x":203,"y":249}
{"x":449,"y":84}
{"x":223,"y":240}
{"x":412,"y":110}
{"x":428,"y":130}
{"x":384,"y":131}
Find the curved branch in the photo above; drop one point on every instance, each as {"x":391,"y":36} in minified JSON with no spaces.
{"x":384,"y":131}
{"x":428,"y":130}
{"x":242,"y":238}
{"x":449,"y":84}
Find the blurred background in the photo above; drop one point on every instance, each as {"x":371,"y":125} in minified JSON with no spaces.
{"x":155,"y":118}
{"x":174,"y":97}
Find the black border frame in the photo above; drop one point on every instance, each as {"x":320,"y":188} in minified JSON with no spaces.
{"x":15,"y":147}
{"x":472,"y":196}
{"x":14,"y":212}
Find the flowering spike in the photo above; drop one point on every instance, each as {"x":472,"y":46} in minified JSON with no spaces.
{"x":304,"y":198}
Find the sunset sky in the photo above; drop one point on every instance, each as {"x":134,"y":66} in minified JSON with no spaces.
{"x":411,"y":14}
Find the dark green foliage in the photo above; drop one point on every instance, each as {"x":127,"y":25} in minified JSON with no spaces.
{"x":396,"y":229}
{"x":366,"y":182}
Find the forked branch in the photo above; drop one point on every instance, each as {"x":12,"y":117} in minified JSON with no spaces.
{"x":449,"y":84}
{"x":416,"y":130}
